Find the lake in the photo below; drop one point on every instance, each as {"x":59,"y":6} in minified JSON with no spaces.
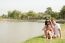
{"x":17,"y":32}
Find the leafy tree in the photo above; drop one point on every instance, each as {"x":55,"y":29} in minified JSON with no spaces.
{"x":49,"y":11}
{"x":55,"y":15}
{"x":31,"y":15}
{"x":62,"y":12}
{"x":24,"y":16}
{"x":41,"y":15}
{"x":15,"y":14}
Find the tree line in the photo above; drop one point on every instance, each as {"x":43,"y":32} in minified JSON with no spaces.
{"x":31,"y":15}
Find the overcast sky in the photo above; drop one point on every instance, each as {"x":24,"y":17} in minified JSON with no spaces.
{"x":26,"y":5}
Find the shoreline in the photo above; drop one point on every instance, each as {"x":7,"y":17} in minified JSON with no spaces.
{"x":41,"y":21}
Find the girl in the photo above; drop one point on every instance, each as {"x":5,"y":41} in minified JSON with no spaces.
{"x":48,"y":30}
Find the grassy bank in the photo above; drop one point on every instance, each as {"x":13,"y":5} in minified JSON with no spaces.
{"x":41,"y":39}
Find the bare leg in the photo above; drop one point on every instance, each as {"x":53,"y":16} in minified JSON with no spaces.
{"x":50,"y":35}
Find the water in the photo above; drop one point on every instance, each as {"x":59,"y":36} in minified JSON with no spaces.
{"x":16,"y":32}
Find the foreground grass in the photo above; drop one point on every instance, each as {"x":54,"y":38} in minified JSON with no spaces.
{"x":41,"y":39}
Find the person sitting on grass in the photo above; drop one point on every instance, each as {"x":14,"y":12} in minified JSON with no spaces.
{"x":48,"y":30}
{"x":56,"y":27}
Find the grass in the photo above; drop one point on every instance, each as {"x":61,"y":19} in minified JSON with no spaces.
{"x":63,"y":26}
{"x":41,"y":39}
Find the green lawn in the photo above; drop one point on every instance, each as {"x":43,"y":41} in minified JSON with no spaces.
{"x":41,"y":39}
{"x":63,"y":26}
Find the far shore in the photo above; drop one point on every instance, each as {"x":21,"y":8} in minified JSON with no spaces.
{"x":19,"y":20}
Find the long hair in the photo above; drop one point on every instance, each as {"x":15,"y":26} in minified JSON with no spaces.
{"x":48,"y":22}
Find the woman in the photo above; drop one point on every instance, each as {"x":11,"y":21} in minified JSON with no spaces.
{"x":48,"y":30}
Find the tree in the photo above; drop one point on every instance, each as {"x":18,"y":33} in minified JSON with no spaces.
{"x":49,"y":13}
{"x":9,"y":14}
{"x":14,"y":15}
{"x":41,"y":15}
{"x":4,"y":16}
{"x":24,"y":16}
{"x":62,"y":12}
{"x":31,"y":15}
{"x":55,"y":15}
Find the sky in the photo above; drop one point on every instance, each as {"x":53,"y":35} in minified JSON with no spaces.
{"x":26,"y":5}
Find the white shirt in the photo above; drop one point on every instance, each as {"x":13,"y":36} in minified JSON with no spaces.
{"x":56,"y":27}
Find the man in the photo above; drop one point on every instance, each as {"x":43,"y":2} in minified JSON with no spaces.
{"x":56,"y":27}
